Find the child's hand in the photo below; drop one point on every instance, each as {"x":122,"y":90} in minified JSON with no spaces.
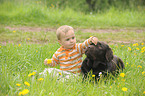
{"x":47,"y":61}
{"x":94,"y":40}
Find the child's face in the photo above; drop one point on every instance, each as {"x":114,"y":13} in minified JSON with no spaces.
{"x":67,"y":40}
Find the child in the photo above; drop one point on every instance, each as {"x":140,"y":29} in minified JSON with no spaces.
{"x":69,"y":55}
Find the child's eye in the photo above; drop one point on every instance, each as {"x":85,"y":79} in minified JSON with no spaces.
{"x":73,"y":37}
{"x":67,"y":39}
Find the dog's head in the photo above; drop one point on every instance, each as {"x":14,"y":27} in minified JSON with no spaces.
{"x":99,"y":52}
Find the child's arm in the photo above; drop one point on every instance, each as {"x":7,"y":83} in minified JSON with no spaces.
{"x":93,"y":40}
{"x":51,"y":62}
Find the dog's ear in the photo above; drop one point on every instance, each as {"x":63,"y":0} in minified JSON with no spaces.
{"x":109,"y":54}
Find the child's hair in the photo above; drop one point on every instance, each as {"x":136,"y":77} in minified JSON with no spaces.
{"x":64,"y":29}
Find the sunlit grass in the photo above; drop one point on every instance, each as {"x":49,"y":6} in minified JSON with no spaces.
{"x":19,"y":61}
{"x":34,"y":14}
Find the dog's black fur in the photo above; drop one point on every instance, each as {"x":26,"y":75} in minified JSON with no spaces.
{"x":100,"y":58}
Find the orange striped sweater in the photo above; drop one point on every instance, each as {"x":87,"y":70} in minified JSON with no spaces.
{"x":71,"y":59}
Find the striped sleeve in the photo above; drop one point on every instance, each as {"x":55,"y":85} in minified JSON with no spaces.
{"x":83,"y":45}
{"x":54,"y":60}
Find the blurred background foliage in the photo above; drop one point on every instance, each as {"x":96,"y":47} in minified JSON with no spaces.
{"x":85,"y":5}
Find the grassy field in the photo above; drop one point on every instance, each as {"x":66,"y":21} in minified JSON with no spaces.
{"x":28,"y":13}
{"x":19,"y":60}
{"x":27,"y":37}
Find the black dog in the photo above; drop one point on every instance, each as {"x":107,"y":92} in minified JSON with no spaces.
{"x":100,"y":58}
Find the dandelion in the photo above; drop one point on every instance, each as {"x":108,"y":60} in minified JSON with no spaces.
{"x":129,"y":48}
{"x":126,"y":62}
{"x":19,"y":45}
{"x":110,"y":86}
{"x":122,"y":74}
{"x":78,"y":90}
{"x":143,"y":92}
{"x":137,"y":48}
{"x":139,"y":66}
{"x":60,"y":73}
{"x":26,"y":83}
{"x":142,"y":49}
{"x":135,"y":54}
{"x":142,"y":43}
{"x":28,"y":38}
{"x":52,"y":5}
{"x":136,"y":44}
{"x":122,"y":45}
{"x":18,"y":84}
{"x":24,"y":92}
{"x":49,"y":61}
{"x":93,"y":75}
{"x":123,"y":80}
{"x":40,"y":79}
{"x":124,"y":89}
{"x":31,"y":74}
{"x":14,"y":31}
{"x":143,"y":73}
{"x":36,"y":51}
{"x":0,"y":46}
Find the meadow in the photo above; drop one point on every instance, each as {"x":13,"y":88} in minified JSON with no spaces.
{"x":27,"y":37}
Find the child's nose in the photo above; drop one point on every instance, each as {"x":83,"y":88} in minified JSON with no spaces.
{"x":71,"y":40}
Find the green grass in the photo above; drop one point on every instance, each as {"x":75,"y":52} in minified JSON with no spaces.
{"x":43,"y":37}
{"x":23,"y":52}
{"x":38,"y":14}
{"x":17,"y":61}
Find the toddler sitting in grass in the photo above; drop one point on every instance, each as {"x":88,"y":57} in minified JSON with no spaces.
{"x":69,"y":55}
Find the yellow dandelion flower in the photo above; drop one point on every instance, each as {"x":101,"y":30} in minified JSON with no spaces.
{"x":129,"y":48}
{"x":143,"y":73}
{"x":139,"y":66}
{"x":20,"y":93}
{"x":24,"y":92}
{"x":93,"y":75}
{"x":123,"y":80}
{"x":135,"y":54}
{"x":143,"y":48}
{"x":18,"y":84}
{"x":40,"y":79}
{"x":52,"y":5}
{"x":31,"y":74}
{"x":122,"y":74}
{"x":19,"y":45}
{"x":136,"y":44}
{"x":142,"y":51}
{"x":26,"y":83}
{"x":142,"y":43}
{"x":14,"y":31}
{"x":126,"y":62}
{"x":110,"y":86}
{"x":124,"y":89}
{"x":60,"y":73}
{"x":0,"y":46}
{"x":122,"y":45}
{"x":28,"y":38}
{"x":36,"y":51}
{"x":137,"y":48}
{"x":49,"y":61}
{"x":143,"y":92}
{"x":118,"y":86}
